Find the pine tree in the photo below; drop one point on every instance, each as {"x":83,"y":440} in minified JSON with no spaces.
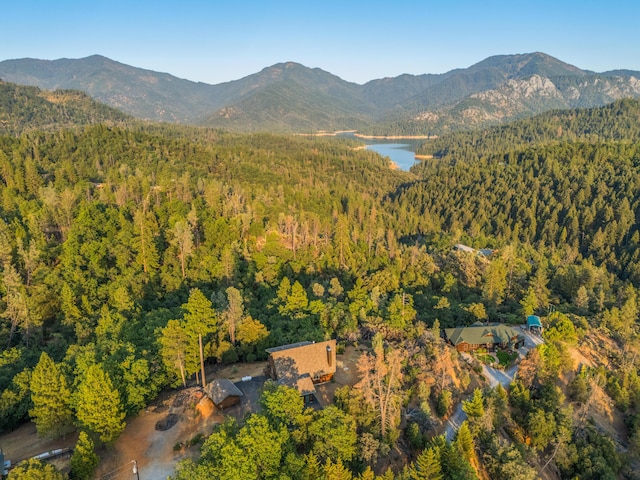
{"x":464,"y":441}
{"x":234,"y":312}
{"x":427,"y":466}
{"x":99,"y":405}
{"x":529,"y":302}
{"x":474,"y":408}
{"x":297,"y":301}
{"x":199,"y":319}
{"x":367,"y":474}
{"x":50,"y":396}
{"x":336,"y":471}
{"x":84,"y":460}
{"x":312,"y":467}
{"x":183,"y":240}
{"x":174,"y":342}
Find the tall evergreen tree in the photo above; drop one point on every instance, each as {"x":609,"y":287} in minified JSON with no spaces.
{"x":174,"y":342}
{"x":427,"y":466}
{"x":84,"y":459}
{"x":199,"y":319}
{"x":474,"y":407}
{"x":99,"y":407}
{"x":50,"y":396}
{"x":464,"y":443}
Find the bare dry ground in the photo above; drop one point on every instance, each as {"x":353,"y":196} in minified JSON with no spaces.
{"x":594,"y":350}
{"x":346,"y":374}
{"x":155,"y":451}
{"x":24,"y":443}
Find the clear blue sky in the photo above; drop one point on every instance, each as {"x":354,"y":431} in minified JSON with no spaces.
{"x":215,"y":41}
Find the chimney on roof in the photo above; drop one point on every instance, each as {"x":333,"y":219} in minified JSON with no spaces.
{"x":329,"y":355}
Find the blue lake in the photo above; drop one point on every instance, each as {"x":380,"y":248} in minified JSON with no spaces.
{"x":402,"y":154}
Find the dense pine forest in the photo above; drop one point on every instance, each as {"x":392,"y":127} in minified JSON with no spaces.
{"x":121,"y":243}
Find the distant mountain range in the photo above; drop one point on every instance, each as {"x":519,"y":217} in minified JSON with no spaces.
{"x":290,"y":97}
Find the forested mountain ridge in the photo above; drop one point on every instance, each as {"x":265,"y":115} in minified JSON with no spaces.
{"x":563,"y":178}
{"x":141,"y":93}
{"x":617,"y":121}
{"x":289,"y":97}
{"x":29,"y":108}
{"x":121,"y":244}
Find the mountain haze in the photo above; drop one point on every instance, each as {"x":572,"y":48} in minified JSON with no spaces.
{"x":289,"y":97}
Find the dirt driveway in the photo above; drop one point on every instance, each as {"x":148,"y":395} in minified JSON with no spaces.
{"x":153,"y":450}
{"x":24,"y":443}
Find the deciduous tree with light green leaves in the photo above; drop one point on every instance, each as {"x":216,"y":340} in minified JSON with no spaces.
{"x":35,"y":470}
{"x":99,"y":407}
{"x":50,"y":396}
{"x":333,"y":434}
{"x":282,"y":405}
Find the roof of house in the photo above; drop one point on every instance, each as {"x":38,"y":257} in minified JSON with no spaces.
{"x":534,"y":321}
{"x":221,"y":388}
{"x":464,"y":248}
{"x":485,"y":252}
{"x":304,"y":358}
{"x":478,"y":334}
{"x":303,"y":384}
{"x":288,"y":347}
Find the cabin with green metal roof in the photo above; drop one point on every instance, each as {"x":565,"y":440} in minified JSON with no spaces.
{"x":495,"y":336}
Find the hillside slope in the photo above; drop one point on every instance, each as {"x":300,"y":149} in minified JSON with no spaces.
{"x":29,"y":108}
{"x":289,"y":97}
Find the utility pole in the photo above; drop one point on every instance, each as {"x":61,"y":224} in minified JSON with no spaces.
{"x":204,"y":380}
{"x":135,"y":469}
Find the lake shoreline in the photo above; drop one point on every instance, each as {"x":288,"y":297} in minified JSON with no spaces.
{"x":394,"y":137}
{"x":400,"y":158}
{"x":368,"y":137}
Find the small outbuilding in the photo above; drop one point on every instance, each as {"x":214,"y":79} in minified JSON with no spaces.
{"x":223,"y":393}
{"x":534,"y":324}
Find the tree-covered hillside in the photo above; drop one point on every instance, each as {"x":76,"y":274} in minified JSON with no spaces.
{"x":617,"y":121}
{"x":121,"y":245}
{"x":29,"y":108}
